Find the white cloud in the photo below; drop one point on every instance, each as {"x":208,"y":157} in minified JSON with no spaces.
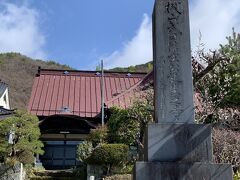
{"x":213,"y":18}
{"x":136,"y":51}
{"x":19,"y":31}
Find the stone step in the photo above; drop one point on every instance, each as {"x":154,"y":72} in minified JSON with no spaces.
{"x":53,"y":178}
{"x":54,"y":175}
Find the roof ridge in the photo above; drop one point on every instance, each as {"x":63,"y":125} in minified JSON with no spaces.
{"x":90,"y":71}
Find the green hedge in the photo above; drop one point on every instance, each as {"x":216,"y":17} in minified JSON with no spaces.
{"x":109,"y":155}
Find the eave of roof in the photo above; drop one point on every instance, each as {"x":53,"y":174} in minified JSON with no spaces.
{"x":4,"y":113}
{"x":107,"y":73}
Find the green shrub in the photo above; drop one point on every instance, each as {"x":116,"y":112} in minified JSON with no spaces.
{"x":98,"y":135}
{"x":236,"y":176}
{"x":84,"y":150}
{"x":122,"y":129}
{"x":80,"y":172}
{"x":26,"y":141}
{"x":26,"y":157}
{"x":109,"y":155}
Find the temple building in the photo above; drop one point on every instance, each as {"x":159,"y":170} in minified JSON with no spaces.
{"x":68,"y":105}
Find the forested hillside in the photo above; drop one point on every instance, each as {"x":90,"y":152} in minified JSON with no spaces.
{"x":147,"y":67}
{"x":18,"y":72}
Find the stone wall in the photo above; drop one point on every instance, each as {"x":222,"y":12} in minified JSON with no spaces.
{"x":10,"y":173}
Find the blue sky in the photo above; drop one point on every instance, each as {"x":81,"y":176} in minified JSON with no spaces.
{"x":82,"y":32}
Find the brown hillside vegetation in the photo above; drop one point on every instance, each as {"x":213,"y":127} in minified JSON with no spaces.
{"x":18,"y":72}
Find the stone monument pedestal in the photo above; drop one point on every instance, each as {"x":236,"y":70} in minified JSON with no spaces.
{"x":179,"y":142}
{"x":181,"y":171}
{"x":179,"y":152}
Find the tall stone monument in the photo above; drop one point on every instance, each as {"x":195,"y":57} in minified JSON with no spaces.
{"x":175,"y":147}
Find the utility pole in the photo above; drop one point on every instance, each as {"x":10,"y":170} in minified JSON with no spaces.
{"x":102,"y":92}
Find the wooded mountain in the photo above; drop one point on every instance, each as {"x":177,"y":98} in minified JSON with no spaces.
{"x":147,"y":67}
{"x":18,"y":72}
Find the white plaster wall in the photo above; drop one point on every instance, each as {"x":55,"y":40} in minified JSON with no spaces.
{"x":2,"y":102}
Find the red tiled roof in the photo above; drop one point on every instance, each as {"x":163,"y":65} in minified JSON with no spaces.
{"x":146,"y":81}
{"x":79,"y":93}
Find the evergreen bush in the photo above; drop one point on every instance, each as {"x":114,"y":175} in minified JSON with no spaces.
{"x":121,"y":127}
{"x":109,"y":156}
{"x":84,"y":150}
{"x":25,"y":141}
{"x":98,"y":135}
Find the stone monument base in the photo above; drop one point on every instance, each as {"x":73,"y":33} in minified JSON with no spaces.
{"x":179,"y":151}
{"x":178,"y":142}
{"x":181,"y":171}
